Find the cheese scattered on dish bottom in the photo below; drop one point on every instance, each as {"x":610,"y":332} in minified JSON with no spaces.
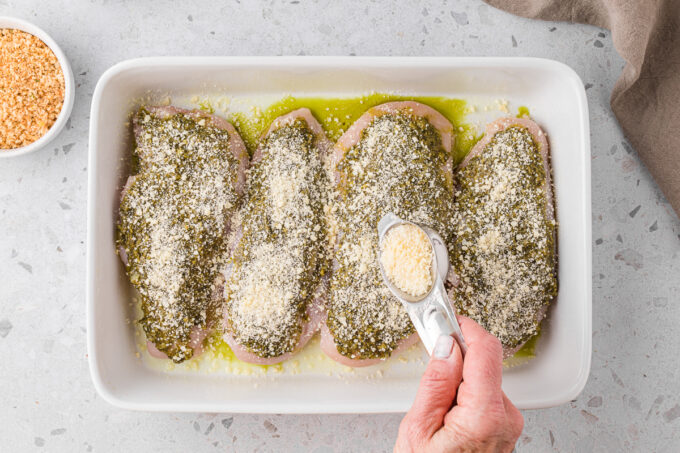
{"x":407,"y":259}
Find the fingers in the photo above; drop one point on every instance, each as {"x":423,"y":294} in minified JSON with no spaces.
{"x":438,"y":387}
{"x":514,"y":417}
{"x":483,"y":370}
{"x":483,"y":417}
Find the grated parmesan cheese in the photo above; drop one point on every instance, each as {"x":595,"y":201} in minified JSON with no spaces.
{"x":504,"y":252}
{"x":280,"y":256}
{"x":406,"y":256}
{"x":399,"y":166}
{"x":174,"y":216}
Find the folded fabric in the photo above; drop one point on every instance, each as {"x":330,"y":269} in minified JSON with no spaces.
{"x":646,"y":98}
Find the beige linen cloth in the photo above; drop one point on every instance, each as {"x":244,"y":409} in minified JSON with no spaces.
{"x":646,"y":98}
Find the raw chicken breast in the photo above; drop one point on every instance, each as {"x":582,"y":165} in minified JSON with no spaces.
{"x":505,"y":233}
{"x":174,"y":216}
{"x":274,"y":284}
{"x":394,"y":158}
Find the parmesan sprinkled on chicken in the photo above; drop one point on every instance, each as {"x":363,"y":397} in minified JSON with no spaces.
{"x":504,"y":251}
{"x":282,"y":256}
{"x":398,"y":160}
{"x":174,"y":216}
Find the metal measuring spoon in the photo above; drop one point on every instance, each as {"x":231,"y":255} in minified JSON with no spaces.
{"x":431,"y":313}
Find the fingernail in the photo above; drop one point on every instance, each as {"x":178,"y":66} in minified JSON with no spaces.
{"x":443,"y":346}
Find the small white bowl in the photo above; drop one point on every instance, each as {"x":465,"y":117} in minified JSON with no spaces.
{"x":69,"y":86}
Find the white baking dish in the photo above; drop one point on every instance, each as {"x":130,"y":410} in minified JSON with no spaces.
{"x":557,"y":101}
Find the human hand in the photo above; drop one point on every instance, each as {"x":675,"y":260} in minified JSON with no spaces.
{"x":469,"y":416}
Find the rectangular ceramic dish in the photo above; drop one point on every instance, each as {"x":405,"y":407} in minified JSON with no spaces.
{"x":557,"y":100}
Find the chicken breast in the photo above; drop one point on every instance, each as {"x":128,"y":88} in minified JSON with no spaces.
{"x":394,"y":158}
{"x":174,"y":217}
{"x":540,"y":139}
{"x":504,"y":255}
{"x":275,"y":283}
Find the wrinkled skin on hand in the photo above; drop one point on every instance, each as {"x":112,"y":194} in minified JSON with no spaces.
{"x":460,"y":406}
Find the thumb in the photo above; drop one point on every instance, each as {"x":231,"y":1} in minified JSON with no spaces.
{"x":438,"y":386}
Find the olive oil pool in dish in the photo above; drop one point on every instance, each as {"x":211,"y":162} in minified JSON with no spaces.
{"x":336,"y":116}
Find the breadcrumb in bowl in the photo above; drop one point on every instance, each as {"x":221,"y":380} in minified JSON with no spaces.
{"x":32,"y":130}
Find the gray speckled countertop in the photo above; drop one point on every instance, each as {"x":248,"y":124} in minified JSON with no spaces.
{"x":47,"y":401}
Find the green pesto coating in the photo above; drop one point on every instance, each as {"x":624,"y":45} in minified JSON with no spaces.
{"x":173,"y":218}
{"x":524,"y":260}
{"x":399,"y":166}
{"x":291,"y":149}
